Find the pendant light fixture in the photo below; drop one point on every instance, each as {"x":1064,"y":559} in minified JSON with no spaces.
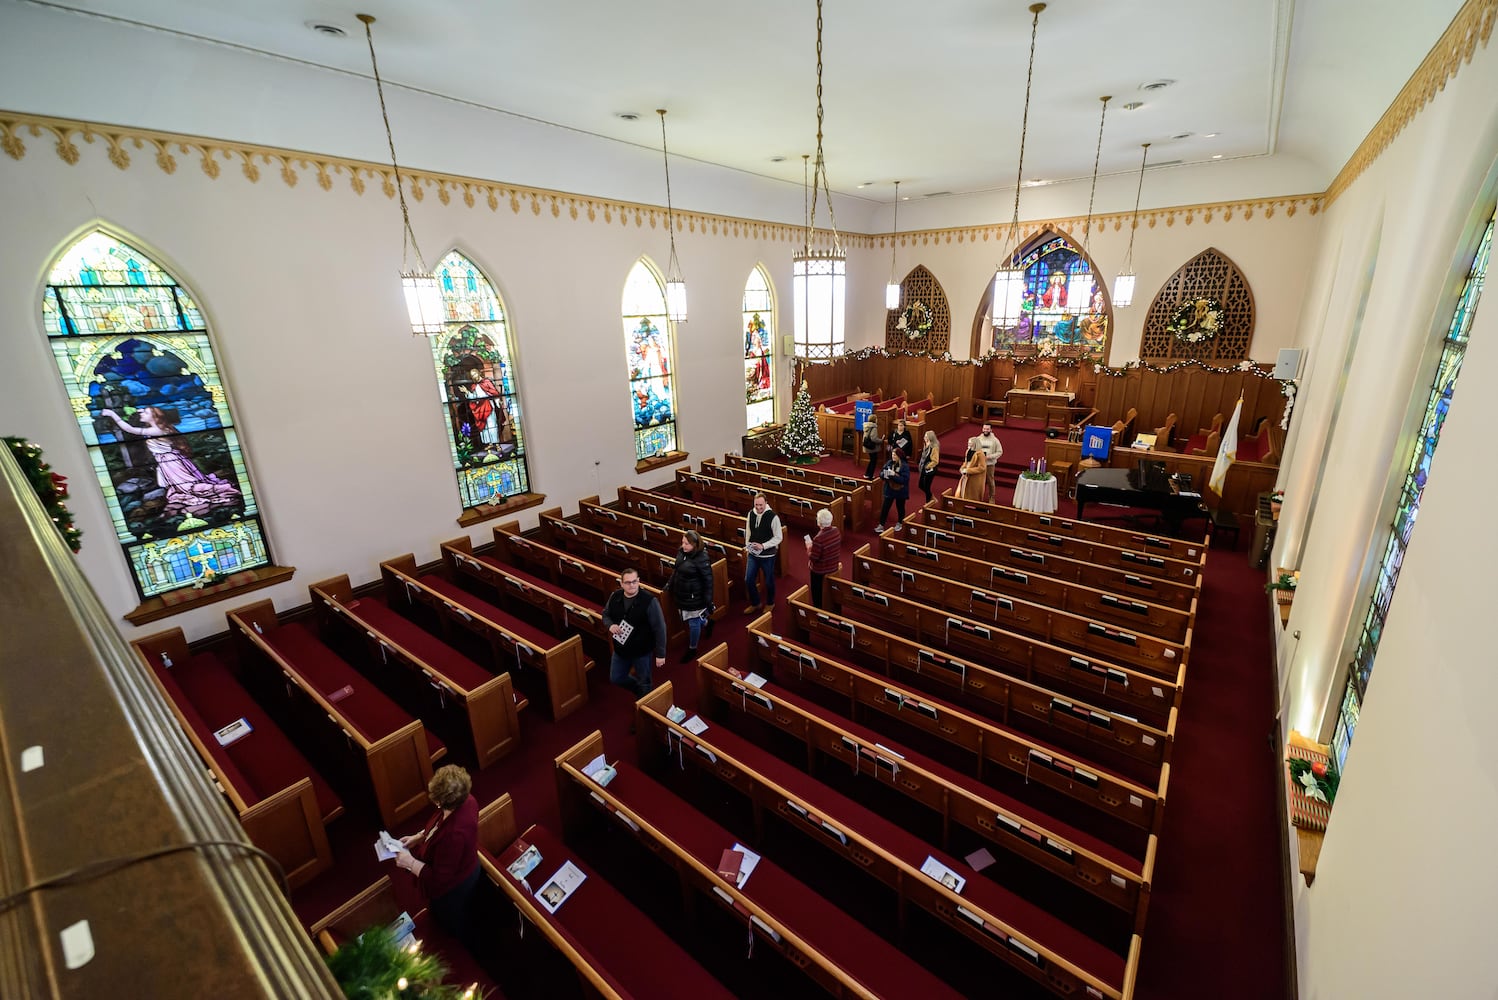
{"x":423,"y":295}
{"x":819,"y":277}
{"x":1009,"y":281}
{"x":1079,"y":294}
{"x":1123,"y":285}
{"x":676,"y":286}
{"x":892,"y":290}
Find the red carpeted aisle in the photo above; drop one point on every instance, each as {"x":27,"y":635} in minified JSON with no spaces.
{"x":1216,"y":920}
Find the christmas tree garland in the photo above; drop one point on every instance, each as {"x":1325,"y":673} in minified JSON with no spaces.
{"x":51,"y":489}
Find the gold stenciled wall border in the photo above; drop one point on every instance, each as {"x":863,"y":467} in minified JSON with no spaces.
{"x":1473,"y":25}
{"x":212,"y":155}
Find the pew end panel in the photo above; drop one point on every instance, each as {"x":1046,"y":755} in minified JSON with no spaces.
{"x":288,"y":826}
{"x":259,"y":616}
{"x":494,"y":717}
{"x":375,"y":905}
{"x":498,"y":827}
{"x":566,"y":667}
{"x":658,"y":700}
{"x":391,"y":571}
{"x":336,"y":587}
{"x":571,"y":797}
{"x":161,"y":647}
{"x":400,"y":768}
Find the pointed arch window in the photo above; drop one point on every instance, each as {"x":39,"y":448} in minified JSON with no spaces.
{"x":1063,"y":308}
{"x":1437,"y":403}
{"x":650,"y":350}
{"x":759,"y":349}
{"x":475,"y":367}
{"x":138,"y":366}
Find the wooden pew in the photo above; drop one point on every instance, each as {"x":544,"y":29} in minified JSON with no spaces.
{"x":567,"y":612}
{"x":375,"y":905}
{"x":793,"y":510}
{"x":567,"y":570}
{"x":1096,"y":867}
{"x":1042,"y":549}
{"x":835,"y":951}
{"x":1126,"y":538}
{"x":1016,"y":565}
{"x":659,"y":537}
{"x":1033,"y":599}
{"x":1019,"y":933}
{"x":281,"y":801}
{"x":808,"y":474}
{"x":655,"y":567}
{"x":725,"y":528}
{"x":855,"y":500}
{"x":939,"y":419}
{"x":488,"y":701}
{"x":1089,"y":784}
{"x":586,"y":928}
{"x":1126,"y":647}
{"x":398,"y":752}
{"x":560,"y":661}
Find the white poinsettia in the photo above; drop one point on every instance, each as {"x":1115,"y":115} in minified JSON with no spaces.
{"x":1312,"y":790}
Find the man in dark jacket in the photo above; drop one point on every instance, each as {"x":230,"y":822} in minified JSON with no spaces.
{"x":635,"y":621}
{"x":691,"y":588}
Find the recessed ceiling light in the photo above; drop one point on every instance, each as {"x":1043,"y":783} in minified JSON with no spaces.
{"x":1133,"y":105}
{"x":1156,"y":85}
{"x":1036,"y":182}
{"x":777,"y":159}
{"x":1216,"y":156}
{"x":327,"y":30}
{"x":628,"y":116}
{"x":1209,"y":135}
{"x":1181,"y":135}
{"x":906,"y":197}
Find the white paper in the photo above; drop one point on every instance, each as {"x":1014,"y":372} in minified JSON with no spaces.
{"x":236,"y":730}
{"x":695,"y":725}
{"x":526,"y":863}
{"x":387,"y":847}
{"x":939,"y":872}
{"x":755,"y":680}
{"x":595,"y":765}
{"x":625,"y":628}
{"x":77,"y":945}
{"x":560,"y":886}
{"x":32,"y":758}
{"x":746,"y":867}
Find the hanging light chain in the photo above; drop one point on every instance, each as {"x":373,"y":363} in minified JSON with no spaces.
{"x":400,"y":190}
{"x":1134,"y":225}
{"x":1097,"y":158}
{"x":1024,"y":126}
{"x":674,"y":268}
{"x":819,"y":171}
{"x":895,"y":235}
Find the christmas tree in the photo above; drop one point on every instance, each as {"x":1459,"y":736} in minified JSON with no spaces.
{"x":51,"y":489}
{"x":801,"y":442}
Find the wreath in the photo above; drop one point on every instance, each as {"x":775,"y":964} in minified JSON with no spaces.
{"x":1196,"y":320}
{"x":916,"y":320}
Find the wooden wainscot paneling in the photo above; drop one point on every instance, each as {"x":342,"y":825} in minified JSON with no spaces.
{"x":1195,"y":395}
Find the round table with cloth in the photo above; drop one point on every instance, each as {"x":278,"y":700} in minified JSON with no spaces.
{"x":1038,"y":495}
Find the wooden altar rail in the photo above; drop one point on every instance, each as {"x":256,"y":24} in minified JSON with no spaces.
{"x":856,"y":500}
{"x":1151,"y":562}
{"x":1099,"y":869}
{"x":567,"y":612}
{"x":1173,"y":593}
{"x":887,"y":854}
{"x":655,"y":567}
{"x":566,"y":570}
{"x":1126,"y":538}
{"x":720,"y":529}
{"x":398,"y":752}
{"x":487,"y":700}
{"x":660,"y":537}
{"x":561,"y":661}
{"x":829,"y":946}
{"x":793,"y":510}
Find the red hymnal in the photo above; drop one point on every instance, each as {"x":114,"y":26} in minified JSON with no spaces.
{"x":728,"y":865}
{"x":342,"y":693}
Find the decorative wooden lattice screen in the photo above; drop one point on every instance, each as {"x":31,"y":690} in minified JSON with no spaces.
{"x":920,"y":285}
{"x":1210,"y":274}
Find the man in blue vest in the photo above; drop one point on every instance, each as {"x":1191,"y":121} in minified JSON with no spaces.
{"x":638,"y":628}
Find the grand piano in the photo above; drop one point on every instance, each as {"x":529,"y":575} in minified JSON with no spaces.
{"x":1145,"y":485}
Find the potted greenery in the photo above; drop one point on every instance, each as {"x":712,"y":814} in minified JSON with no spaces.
{"x":373,"y":966}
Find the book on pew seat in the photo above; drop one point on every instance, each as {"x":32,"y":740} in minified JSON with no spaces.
{"x":234,"y":731}
{"x":939,"y":872}
{"x":336,"y":696}
{"x":560,"y":887}
{"x":746,"y":865}
{"x":530,"y":857}
{"x":730,"y":864}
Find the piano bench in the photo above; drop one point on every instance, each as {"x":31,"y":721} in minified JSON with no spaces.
{"x":1224,"y":521}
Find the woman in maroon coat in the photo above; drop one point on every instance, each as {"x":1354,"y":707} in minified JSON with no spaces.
{"x":444,"y":856}
{"x":823,"y":553}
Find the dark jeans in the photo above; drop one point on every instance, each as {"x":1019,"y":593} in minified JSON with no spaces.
{"x":899,"y":503}
{"x":451,"y":908}
{"x":816,"y":588}
{"x":620,"y":666}
{"x":873,"y":464}
{"x":753,"y":566}
{"x":925,"y":483}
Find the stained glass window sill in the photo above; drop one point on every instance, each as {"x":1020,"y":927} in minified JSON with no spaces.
{"x":178,"y":601}
{"x":669,"y":458}
{"x":510,"y":505}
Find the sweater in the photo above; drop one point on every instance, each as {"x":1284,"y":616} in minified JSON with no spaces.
{"x":449,"y":851}
{"x":826,"y":550}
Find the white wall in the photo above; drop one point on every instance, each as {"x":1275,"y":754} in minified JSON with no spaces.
{"x":1406,"y":890}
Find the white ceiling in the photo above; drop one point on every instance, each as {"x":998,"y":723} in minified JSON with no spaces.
{"x":928,"y":93}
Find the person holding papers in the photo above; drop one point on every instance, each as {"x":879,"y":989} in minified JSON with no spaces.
{"x":762,"y":532}
{"x":638,"y":628}
{"x":823,"y":553}
{"x":896,"y":476}
{"x":444,"y":856}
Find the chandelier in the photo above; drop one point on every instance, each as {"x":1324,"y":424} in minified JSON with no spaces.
{"x":819,"y":277}
{"x":676,"y":286}
{"x":1123,"y":285}
{"x":1009,"y":281}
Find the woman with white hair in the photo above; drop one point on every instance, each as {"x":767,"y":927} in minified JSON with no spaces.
{"x":823,"y":553}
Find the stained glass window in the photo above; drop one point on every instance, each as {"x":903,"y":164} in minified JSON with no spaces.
{"x":139,"y":370}
{"x":1453,"y":347}
{"x":476,"y":383}
{"x":648,"y":346}
{"x":1063,"y":310}
{"x":759,"y":351}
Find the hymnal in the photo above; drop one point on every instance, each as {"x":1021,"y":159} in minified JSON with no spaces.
{"x":236,"y":730}
{"x":729,"y":865}
{"x":695,"y":725}
{"x":336,"y":696}
{"x":526,"y":863}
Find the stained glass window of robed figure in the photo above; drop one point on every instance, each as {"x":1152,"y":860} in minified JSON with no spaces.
{"x":1437,"y":403}
{"x":759,"y":350}
{"x":649,"y":350}
{"x":476,"y":383}
{"x":1062,"y":304}
{"x":138,"y":366}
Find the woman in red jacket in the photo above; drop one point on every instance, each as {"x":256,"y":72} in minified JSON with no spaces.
{"x":823,"y":553}
{"x":444,"y":856}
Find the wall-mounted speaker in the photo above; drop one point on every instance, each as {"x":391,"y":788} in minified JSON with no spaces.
{"x":789,"y":341}
{"x":1288,"y":364}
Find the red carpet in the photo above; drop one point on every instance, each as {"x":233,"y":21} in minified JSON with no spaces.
{"x":1216,"y":920}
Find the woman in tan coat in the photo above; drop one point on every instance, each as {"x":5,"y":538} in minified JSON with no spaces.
{"x":974,"y":470}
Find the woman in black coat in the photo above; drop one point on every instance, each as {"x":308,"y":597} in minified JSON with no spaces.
{"x":691,"y":588}
{"x":896,"y":476}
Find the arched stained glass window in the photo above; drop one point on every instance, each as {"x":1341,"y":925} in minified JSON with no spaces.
{"x":649,"y":348}
{"x":139,"y":370}
{"x":1064,"y":311}
{"x":476,"y":381}
{"x":759,"y":349}
{"x":1453,"y":348}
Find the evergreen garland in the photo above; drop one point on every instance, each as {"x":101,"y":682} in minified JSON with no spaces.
{"x":800,"y":441}
{"x":51,"y":489}
{"x":372,"y":967}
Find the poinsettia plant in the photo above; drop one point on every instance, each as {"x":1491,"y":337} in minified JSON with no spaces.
{"x":1315,"y":779}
